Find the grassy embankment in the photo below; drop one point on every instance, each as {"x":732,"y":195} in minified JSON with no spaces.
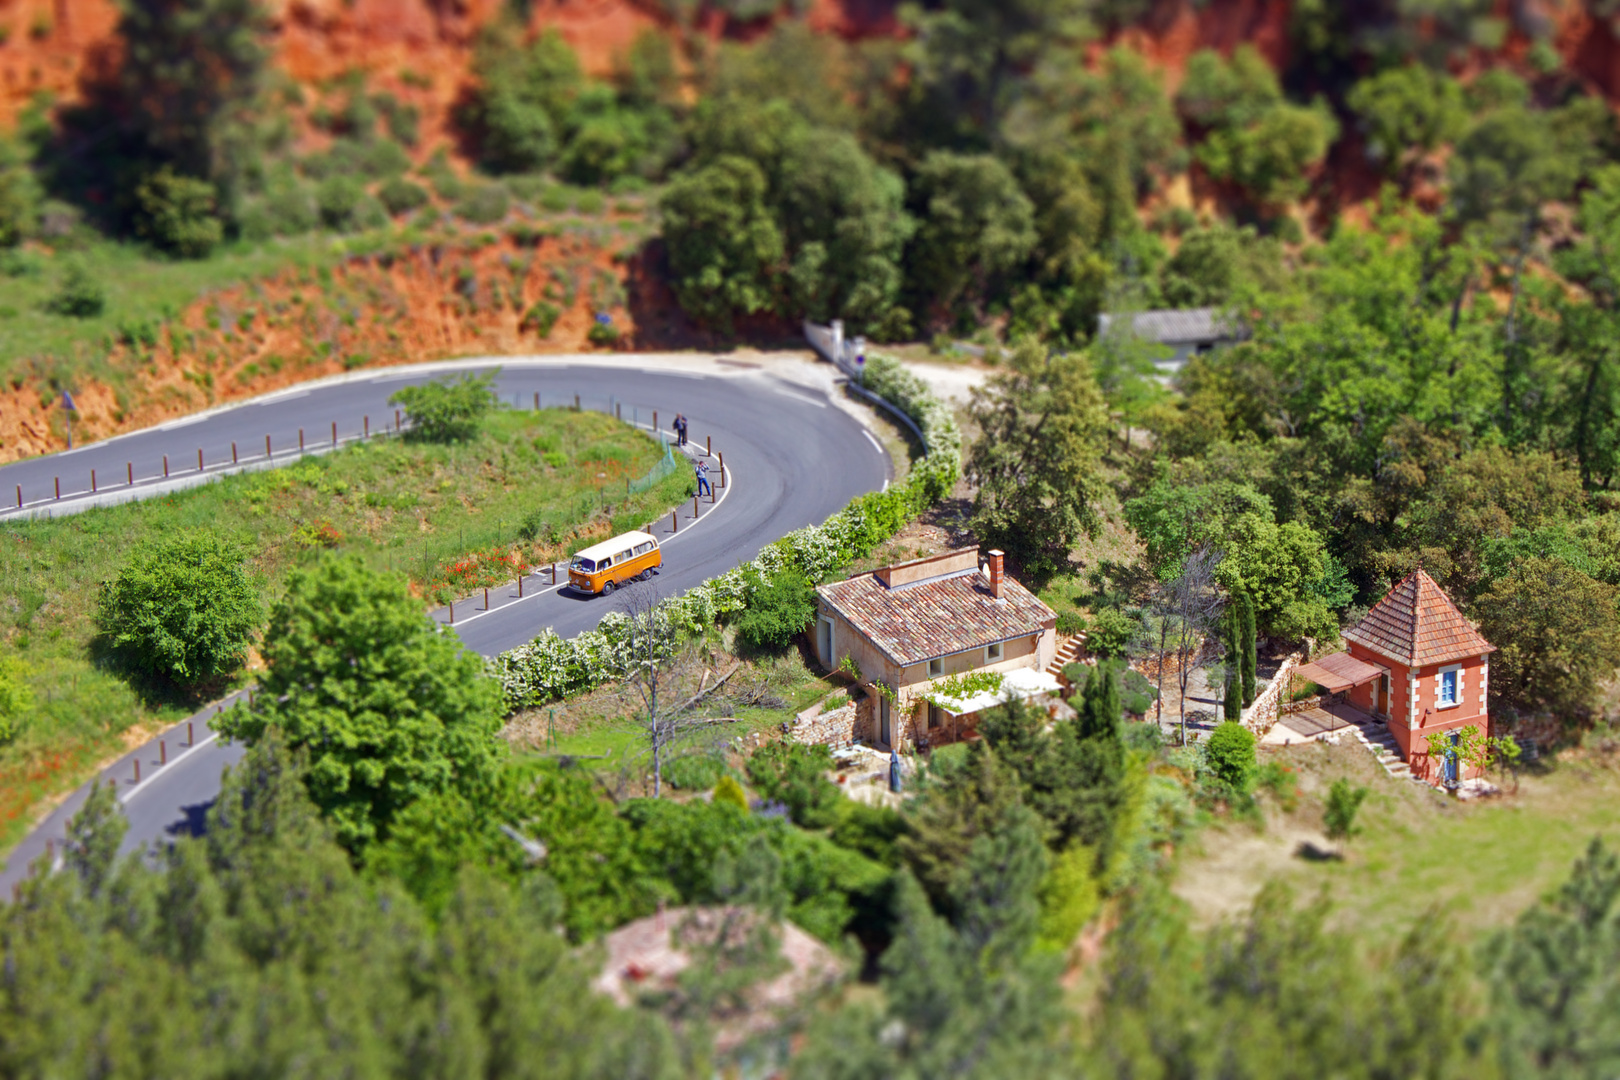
{"x":1475,"y":865}
{"x":442,"y":514}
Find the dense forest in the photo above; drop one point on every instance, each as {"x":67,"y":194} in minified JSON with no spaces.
{"x":1408,"y":227}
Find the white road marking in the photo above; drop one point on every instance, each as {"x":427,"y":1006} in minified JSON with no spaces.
{"x":875,"y":444}
{"x":288,"y":395}
{"x":163,"y":770}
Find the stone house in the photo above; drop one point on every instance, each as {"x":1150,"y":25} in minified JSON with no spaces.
{"x":1418,"y":665}
{"x":914,"y":625}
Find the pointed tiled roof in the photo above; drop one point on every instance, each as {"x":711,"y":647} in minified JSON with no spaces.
{"x":1417,"y":624}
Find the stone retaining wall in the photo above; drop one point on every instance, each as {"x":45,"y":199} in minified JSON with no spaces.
{"x":1259,"y":716}
{"x":835,"y":728}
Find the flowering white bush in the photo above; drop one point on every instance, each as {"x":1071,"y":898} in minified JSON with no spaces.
{"x":552,"y":667}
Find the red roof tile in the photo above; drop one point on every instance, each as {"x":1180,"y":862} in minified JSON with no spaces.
{"x":1417,"y":624}
{"x":936,"y":616}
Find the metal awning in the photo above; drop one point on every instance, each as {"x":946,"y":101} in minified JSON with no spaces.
{"x":1339,"y":671}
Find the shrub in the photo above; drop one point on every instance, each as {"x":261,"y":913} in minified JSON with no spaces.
{"x":384,"y":157}
{"x":446,"y":184}
{"x":19,"y":198}
{"x":447,"y":409}
{"x":1070,"y":623}
{"x":1069,"y":897}
{"x":1137,"y":694}
{"x":1230,"y":756}
{"x":369,"y":213}
{"x":184,"y":610}
{"x":401,"y":196}
{"x":728,"y":791}
{"x":540,"y":319}
{"x":603,"y":334}
{"x":778,"y":612}
{"x":336,"y":199}
{"x":694,"y":772}
{"x":402,"y":119}
{"x":484,"y":204}
{"x":178,"y":214}
{"x":590,"y":202}
{"x":15,"y":698}
{"x":527,"y":187}
{"x":1110,"y":634}
{"x":292,"y":210}
{"x":871,"y":830}
{"x":795,"y":775}
{"x":1279,"y":779}
{"x":79,"y":295}
{"x":1339,"y":815}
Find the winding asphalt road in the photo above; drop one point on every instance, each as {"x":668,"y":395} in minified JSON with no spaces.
{"x":791,"y":455}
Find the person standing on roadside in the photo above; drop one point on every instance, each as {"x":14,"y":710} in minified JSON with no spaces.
{"x":680,"y":429}
{"x":702,"y":469}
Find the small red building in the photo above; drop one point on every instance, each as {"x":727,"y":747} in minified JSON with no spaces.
{"x":1416,"y":663}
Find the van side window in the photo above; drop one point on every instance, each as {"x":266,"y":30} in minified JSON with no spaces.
{"x":603,"y":564}
{"x":642,"y":549}
{"x":620,"y":557}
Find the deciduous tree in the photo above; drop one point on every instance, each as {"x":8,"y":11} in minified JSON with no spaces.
{"x":388,"y":709}
{"x":1037,"y":462}
{"x":1557,"y":634}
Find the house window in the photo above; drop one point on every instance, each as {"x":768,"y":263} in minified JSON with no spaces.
{"x":934,"y":716}
{"x":936,"y":668}
{"x":992,"y":653}
{"x":1448,"y":682}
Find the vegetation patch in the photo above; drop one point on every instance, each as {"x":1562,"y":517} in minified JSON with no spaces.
{"x":404,"y":507}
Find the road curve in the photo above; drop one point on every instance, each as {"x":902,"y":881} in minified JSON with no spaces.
{"x":792,"y":456}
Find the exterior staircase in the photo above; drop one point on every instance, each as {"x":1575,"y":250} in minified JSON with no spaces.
{"x":1376,"y":738}
{"x":1068,"y":651}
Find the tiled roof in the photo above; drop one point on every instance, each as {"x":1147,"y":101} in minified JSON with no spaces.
{"x":937,"y":616}
{"x":1417,"y":624}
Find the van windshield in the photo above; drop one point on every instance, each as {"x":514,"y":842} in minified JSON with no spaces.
{"x":584,"y":566}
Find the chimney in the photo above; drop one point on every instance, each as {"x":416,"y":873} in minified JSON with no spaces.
{"x":995,"y":574}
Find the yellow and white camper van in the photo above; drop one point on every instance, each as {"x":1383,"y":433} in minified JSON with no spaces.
{"x":602,"y":567}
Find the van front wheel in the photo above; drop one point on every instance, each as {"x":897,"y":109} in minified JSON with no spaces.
{"x":607,"y":587}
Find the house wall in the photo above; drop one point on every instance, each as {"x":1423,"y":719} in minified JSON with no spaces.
{"x":1415,"y":710}
{"x":910,"y":718}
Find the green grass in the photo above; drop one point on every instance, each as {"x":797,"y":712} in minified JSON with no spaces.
{"x":1422,"y":854}
{"x":600,"y":723}
{"x":401,"y":506}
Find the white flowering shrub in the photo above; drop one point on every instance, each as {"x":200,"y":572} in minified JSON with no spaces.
{"x":551,"y":667}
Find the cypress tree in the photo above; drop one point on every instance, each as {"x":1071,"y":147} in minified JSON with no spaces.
{"x":1232,"y":697}
{"x":1101,"y":710}
{"x":1249,"y":645}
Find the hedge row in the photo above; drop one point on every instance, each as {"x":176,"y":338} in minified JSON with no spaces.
{"x":552,"y":667}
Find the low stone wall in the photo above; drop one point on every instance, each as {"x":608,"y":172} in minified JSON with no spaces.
{"x":816,"y":728}
{"x":1259,"y":716}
